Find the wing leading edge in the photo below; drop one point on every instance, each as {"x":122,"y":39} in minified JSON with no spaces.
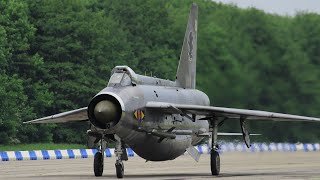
{"x":69,"y":116}
{"x":231,"y":113}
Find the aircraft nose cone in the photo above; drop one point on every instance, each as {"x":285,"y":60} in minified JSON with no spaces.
{"x":105,"y":111}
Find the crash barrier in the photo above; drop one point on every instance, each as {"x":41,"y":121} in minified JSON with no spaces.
{"x":109,"y":152}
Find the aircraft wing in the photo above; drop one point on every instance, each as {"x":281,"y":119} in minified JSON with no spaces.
{"x":69,"y":116}
{"x":232,"y":113}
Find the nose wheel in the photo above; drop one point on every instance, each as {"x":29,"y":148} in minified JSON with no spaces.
{"x":120,"y":152}
{"x":98,"y":161}
{"x":98,"y":164}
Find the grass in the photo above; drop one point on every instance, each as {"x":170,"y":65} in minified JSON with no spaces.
{"x":40,"y":146}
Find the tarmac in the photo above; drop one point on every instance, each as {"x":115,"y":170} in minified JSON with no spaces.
{"x":234,"y":165}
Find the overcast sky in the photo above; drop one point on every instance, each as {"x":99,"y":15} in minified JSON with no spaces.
{"x":282,"y":7}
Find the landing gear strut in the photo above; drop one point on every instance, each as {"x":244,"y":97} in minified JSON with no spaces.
{"x":99,"y":159}
{"x":121,"y":154}
{"x":215,"y":158}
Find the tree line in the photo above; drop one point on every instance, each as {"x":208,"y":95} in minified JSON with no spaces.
{"x":56,"y":55}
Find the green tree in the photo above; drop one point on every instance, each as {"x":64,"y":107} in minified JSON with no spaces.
{"x":13,"y":107}
{"x":55,"y":55}
{"x":20,"y":66}
{"x":149,"y":33}
{"x":80,"y":45}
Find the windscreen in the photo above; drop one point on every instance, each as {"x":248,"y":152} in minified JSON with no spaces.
{"x":122,"y":79}
{"x":116,"y":78}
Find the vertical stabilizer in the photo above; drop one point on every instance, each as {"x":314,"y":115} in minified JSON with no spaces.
{"x":186,"y":73}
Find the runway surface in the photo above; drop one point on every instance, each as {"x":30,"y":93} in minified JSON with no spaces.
{"x":275,"y":165}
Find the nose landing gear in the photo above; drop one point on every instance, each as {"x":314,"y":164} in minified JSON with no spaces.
{"x":98,"y":164}
{"x":120,"y":152}
{"x":99,"y":159}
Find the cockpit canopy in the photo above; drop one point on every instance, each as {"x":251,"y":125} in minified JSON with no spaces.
{"x":125,"y":76}
{"x":120,"y":79}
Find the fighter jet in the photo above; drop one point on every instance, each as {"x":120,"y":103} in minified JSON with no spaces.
{"x":160,"y":119}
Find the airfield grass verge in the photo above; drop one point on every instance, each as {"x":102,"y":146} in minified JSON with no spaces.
{"x":40,"y":146}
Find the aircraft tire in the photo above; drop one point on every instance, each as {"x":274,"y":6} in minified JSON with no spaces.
{"x":98,"y":164}
{"x":215,"y":163}
{"x":119,"y":169}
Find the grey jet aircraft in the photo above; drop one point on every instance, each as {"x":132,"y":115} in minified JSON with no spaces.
{"x":159,"y":119}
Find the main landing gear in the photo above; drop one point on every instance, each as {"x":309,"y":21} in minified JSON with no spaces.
{"x":215,"y":158}
{"x":121,"y":155}
{"x":215,"y":162}
{"x":119,"y":169}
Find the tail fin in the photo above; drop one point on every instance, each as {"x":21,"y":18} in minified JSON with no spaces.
{"x":186,"y":73}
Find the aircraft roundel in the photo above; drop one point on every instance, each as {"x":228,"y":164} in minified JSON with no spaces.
{"x":139,"y":115}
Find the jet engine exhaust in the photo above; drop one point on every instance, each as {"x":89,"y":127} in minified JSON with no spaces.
{"x":104,"y":111}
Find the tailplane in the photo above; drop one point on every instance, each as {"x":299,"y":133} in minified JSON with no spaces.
{"x":186,"y":73}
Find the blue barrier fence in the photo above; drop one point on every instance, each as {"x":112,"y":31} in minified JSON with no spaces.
{"x":203,"y":149}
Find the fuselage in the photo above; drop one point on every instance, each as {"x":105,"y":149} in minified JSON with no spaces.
{"x":136,"y":121}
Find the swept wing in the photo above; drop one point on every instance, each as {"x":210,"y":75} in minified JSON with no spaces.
{"x":232,"y":113}
{"x":69,"y":116}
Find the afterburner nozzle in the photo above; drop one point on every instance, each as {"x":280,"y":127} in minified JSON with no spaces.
{"x":105,"y":111}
